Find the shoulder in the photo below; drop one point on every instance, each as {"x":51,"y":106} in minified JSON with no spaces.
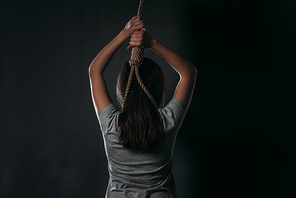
{"x":173,"y":113}
{"x":108,"y":117}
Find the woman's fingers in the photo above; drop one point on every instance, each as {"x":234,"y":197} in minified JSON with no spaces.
{"x":135,"y":24}
{"x":137,"y":34}
{"x":138,"y":27}
{"x":136,"y":42}
{"x":139,"y":38}
{"x":136,"y":18}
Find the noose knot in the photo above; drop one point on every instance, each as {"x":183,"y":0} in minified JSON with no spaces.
{"x":137,"y":56}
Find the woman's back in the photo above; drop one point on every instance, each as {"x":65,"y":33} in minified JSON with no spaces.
{"x":141,"y":173}
{"x":145,"y":170}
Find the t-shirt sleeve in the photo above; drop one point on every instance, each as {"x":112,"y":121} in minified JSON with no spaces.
{"x":106,"y":118}
{"x":175,"y":110}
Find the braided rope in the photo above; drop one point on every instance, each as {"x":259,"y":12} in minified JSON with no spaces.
{"x":140,"y":7}
{"x":135,"y":62}
{"x":144,"y":88}
{"x":128,"y":87}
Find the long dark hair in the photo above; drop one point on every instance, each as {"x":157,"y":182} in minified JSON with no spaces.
{"x":139,"y":124}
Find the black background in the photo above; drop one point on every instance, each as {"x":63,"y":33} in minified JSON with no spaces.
{"x":238,"y":139}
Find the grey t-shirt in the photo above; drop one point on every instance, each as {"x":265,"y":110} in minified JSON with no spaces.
{"x":141,"y":173}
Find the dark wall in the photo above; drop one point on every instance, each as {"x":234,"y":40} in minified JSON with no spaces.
{"x":237,"y":139}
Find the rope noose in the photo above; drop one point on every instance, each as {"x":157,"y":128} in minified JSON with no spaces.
{"x":135,"y":62}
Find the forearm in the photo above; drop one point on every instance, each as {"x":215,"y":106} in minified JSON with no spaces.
{"x":179,"y":63}
{"x":99,"y":89}
{"x":102,"y":59}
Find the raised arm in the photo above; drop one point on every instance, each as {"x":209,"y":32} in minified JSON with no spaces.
{"x":99,"y":90}
{"x":184,"y":68}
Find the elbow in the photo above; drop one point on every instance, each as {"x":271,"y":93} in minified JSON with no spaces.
{"x":90,"y":71}
{"x":94,"y":73}
{"x":194,"y":72}
{"x":190,"y":73}
{"x":94,"y":70}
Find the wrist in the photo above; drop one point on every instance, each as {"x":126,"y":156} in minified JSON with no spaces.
{"x":124,"y":34}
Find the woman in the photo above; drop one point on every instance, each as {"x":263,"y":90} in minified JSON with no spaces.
{"x":139,"y":141}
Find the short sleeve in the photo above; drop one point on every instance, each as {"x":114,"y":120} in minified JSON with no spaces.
{"x":107,"y":118}
{"x":175,"y":110}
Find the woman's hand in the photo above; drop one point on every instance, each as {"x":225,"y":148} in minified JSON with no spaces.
{"x":140,"y":38}
{"x":135,"y":24}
